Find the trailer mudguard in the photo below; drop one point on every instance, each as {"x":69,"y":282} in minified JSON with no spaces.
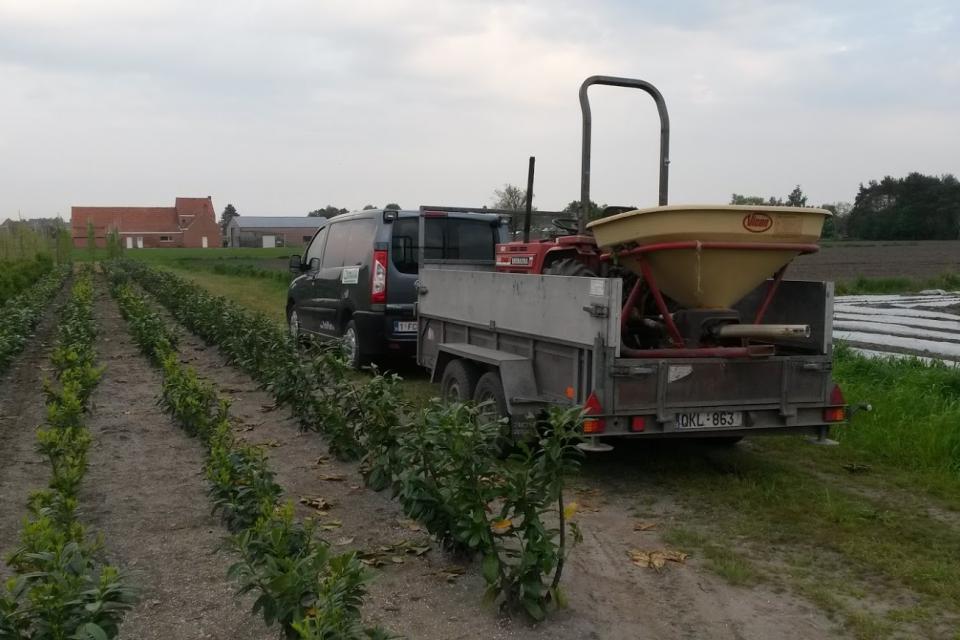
{"x":516,"y":371}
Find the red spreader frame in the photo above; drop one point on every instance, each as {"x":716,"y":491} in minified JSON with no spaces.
{"x":679,"y":350}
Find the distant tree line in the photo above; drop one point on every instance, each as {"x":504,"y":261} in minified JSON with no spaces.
{"x":917,"y":207}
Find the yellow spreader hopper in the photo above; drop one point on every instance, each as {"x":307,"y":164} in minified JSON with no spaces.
{"x":709,"y":256}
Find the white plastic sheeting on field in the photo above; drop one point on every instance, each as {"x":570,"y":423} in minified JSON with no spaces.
{"x":921,"y":325}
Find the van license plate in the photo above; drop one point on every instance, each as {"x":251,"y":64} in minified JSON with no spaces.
{"x":710,"y":420}
{"x":405,"y":327}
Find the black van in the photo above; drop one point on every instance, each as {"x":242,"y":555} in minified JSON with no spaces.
{"x":358,"y":277}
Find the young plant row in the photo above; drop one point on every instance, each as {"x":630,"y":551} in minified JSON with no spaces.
{"x":22,"y":312}
{"x":61,"y":589}
{"x":304,"y":588}
{"x":443,"y":463}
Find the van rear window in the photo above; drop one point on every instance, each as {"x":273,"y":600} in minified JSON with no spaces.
{"x":446,"y":239}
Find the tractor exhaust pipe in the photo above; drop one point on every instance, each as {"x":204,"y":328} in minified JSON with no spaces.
{"x":529,"y":207}
{"x":763,"y":331}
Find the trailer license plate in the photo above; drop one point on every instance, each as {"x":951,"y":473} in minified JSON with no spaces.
{"x":710,"y":419}
{"x":404,"y":327}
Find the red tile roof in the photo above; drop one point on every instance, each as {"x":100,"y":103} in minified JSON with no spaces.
{"x":149,"y":220}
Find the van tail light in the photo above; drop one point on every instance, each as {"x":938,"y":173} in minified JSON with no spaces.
{"x":592,"y":408}
{"x":837,"y":412}
{"x":378,"y":278}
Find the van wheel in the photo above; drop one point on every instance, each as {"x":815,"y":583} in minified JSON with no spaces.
{"x":458,"y":382}
{"x":351,"y":346}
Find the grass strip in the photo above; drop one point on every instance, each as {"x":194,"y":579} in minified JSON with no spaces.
{"x":61,"y":588}
{"x":864,"y":285}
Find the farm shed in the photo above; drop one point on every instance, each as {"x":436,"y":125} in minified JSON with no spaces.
{"x":271,"y":231}
{"x":190,"y":222}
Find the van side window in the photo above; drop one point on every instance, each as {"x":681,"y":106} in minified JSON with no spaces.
{"x":315,"y":250}
{"x":350,"y":243}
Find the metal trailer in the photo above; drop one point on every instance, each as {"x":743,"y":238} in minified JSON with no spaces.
{"x":555,"y":340}
{"x":528,"y":340}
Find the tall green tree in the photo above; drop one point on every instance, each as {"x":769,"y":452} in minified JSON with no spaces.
{"x":229,"y":213}
{"x":916,"y":207}
{"x":796,"y":198}
{"x":596,"y":210}
{"x":392,"y":206}
{"x":511,"y":198}
{"x":328,"y":211}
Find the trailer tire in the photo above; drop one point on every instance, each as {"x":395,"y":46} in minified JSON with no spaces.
{"x":569,"y":267}
{"x":490,"y":390}
{"x":458,"y":381}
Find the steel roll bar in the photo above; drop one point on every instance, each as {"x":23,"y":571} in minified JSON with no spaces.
{"x":587,"y":136}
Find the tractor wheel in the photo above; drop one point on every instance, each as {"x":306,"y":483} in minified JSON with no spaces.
{"x":569,"y":267}
{"x":458,"y":382}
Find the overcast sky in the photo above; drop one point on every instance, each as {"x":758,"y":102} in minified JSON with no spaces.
{"x":281,"y":107}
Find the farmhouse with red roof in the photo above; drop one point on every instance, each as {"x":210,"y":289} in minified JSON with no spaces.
{"x":190,"y":222}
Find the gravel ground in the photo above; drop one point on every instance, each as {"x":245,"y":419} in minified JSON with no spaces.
{"x":146,"y":494}
{"x":22,"y":410}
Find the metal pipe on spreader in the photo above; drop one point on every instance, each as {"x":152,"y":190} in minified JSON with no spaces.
{"x":763,"y":331}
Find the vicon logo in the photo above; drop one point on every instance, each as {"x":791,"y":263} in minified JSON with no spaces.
{"x":757,"y":222}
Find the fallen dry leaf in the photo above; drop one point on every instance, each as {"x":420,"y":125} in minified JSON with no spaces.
{"x":330,"y":525}
{"x":501,"y":526}
{"x":320,"y":504}
{"x":342,"y":542}
{"x":656,"y":559}
{"x":321,"y":460}
{"x":644,"y":526}
{"x":570,"y":510}
{"x":451,"y":573}
{"x":855,"y":467}
{"x":332,"y":477}
{"x":412,"y":525}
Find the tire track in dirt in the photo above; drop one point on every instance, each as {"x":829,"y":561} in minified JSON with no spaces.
{"x":22,"y":410}
{"x":144,"y":491}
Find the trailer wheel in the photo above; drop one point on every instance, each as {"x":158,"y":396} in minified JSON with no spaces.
{"x":458,"y":381}
{"x":490,"y":391}
{"x":569,"y":267}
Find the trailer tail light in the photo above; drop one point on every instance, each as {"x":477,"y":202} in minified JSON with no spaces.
{"x":837,"y":412}
{"x":592,"y":408}
{"x":638,"y":424}
{"x":378,"y":278}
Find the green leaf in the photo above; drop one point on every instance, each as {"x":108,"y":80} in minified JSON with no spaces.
{"x":491,"y":567}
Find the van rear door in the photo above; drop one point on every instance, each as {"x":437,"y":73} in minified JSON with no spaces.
{"x":448,"y":237}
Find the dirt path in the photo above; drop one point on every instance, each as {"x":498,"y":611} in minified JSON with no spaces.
{"x":145,"y":493}
{"x":609,"y":597}
{"x":22,"y":410}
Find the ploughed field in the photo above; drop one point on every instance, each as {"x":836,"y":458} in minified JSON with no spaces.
{"x":848,"y":260}
{"x":323,"y":512}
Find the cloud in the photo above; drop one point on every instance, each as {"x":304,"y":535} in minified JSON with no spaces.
{"x":285,"y":106}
